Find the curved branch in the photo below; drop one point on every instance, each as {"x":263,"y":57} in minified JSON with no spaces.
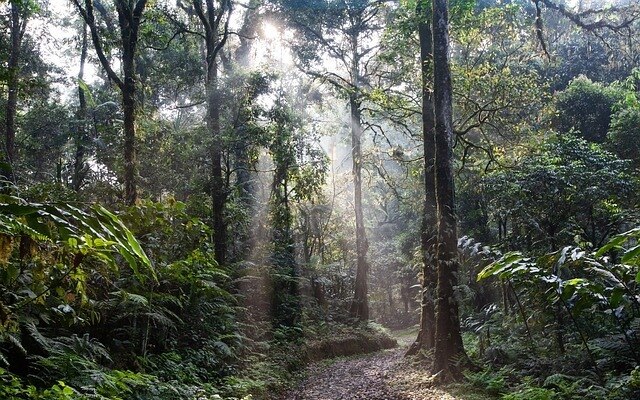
{"x":89,"y":18}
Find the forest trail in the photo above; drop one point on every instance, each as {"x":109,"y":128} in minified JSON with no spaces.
{"x":384,"y":375}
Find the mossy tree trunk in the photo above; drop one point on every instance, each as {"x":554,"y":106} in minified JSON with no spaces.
{"x":426,"y":334}
{"x":448,"y":349}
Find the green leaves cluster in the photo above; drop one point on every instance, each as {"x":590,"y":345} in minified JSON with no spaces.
{"x":565,"y":190}
{"x":96,"y":232}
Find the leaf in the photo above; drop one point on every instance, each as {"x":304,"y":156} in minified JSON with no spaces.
{"x":617,"y":295}
{"x":85,"y":88}
{"x":617,"y":241}
{"x":18,"y":210}
{"x":631,"y":255}
{"x":132,"y":242}
{"x":500,"y":266}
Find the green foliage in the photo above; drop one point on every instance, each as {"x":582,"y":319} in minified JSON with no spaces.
{"x":532,"y":393}
{"x":55,"y":300}
{"x":95,"y":233}
{"x":591,"y":288}
{"x":586,"y":108}
{"x":567,"y":190}
{"x":624,"y":134}
{"x":493,"y":382}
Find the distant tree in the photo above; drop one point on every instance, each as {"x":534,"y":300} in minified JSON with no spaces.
{"x":299,"y":173}
{"x":624,"y":135}
{"x":80,"y":166}
{"x":44,"y":135}
{"x":565,"y":190}
{"x":343,"y":31}
{"x":586,"y":108}
{"x":286,"y":302}
{"x":214,"y":17}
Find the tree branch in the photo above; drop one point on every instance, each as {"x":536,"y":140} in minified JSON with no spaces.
{"x":89,"y":18}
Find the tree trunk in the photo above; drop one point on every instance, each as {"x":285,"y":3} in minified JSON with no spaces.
{"x":360,"y":304}
{"x":426,"y":334}
{"x":18,"y":25}
{"x":79,"y":165}
{"x":449,"y":350}
{"x":129,"y":111}
{"x":218,"y":193}
{"x":129,"y":18}
{"x":243,"y":142}
{"x":211,"y":17}
{"x":129,"y":21}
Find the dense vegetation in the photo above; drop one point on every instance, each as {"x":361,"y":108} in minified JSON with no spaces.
{"x":198,"y":198}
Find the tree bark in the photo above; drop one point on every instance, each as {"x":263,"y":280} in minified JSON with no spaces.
{"x":129,"y":25}
{"x":448,"y":350}
{"x":426,"y":334}
{"x":218,"y":192}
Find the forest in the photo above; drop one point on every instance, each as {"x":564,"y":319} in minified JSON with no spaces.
{"x":319,"y":199}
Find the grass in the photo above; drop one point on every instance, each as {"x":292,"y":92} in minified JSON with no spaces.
{"x":405,"y":336}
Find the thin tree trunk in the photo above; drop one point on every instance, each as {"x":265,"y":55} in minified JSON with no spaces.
{"x":426,"y":334}
{"x":129,"y":30}
{"x":79,"y":165}
{"x":449,"y":350}
{"x":211,"y":18}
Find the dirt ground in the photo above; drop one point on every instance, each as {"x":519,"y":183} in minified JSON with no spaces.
{"x":385,"y":375}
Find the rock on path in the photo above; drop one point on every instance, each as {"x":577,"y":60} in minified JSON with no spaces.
{"x":383,"y":375}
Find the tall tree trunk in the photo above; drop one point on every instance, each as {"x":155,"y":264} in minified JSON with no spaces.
{"x":18,"y":25}
{"x":360,"y":304}
{"x":79,"y":164}
{"x":426,"y":334}
{"x":218,"y":192}
{"x":129,"y":110}
{"x":449,"y":350}
{"x":130,"y":158}
{"x":129,"y":30}
{"x":211,"y":17}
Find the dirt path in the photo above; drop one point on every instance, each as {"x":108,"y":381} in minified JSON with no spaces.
{"x":383,"y":375}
